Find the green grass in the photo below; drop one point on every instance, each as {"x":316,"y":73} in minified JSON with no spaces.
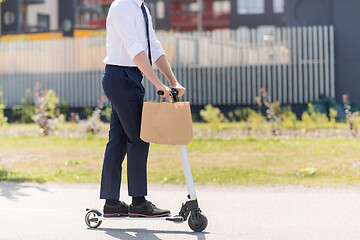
{"x":249,"y":161}
{"x":33,"y":126}
{"x":197,"y":125}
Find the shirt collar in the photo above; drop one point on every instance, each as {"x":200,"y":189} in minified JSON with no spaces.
{"x":138,"y":2}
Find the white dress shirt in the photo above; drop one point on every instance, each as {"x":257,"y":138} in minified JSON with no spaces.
{"x":126,"y":34}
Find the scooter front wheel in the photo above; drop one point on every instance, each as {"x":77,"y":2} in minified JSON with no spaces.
{"x":91,"y":218}
{"x":198,"y":222}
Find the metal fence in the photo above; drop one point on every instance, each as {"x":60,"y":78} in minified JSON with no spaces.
{"x":225,"y":67}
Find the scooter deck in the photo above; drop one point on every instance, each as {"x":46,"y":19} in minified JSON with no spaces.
{"x":175,"y":218}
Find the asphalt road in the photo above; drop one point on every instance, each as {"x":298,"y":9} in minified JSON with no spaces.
{"x":56,"y":211}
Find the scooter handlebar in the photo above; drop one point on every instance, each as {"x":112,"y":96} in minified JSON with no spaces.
{"x":174,"y":94}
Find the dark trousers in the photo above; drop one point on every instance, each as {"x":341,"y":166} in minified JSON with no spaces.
{"x":123,"y":88}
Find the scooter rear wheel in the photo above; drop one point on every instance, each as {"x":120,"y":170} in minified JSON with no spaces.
{"x":91,"y":219}
{"x":198,"y":225}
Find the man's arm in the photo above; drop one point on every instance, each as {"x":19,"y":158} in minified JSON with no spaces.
{"x":142,"y":61}
{"x":120,"y":16}
{"x":159,"y":58}
{"x":163,"y":65}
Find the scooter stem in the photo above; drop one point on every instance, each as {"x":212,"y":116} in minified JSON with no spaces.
{"x":187,"y":172}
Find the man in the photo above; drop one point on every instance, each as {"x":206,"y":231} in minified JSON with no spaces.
{"x":131,"y":47}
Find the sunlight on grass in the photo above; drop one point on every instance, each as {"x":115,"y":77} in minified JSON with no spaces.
{"x":246,"y":161}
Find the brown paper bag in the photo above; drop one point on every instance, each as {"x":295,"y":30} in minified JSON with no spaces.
{"x":166,"y":123}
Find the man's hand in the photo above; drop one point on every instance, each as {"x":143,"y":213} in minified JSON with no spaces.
{"x":180,"y":88}
{"x":165,"y":68}
{"x":165,"y":89}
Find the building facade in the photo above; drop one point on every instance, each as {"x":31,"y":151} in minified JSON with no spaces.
{"x":65,"y":16}
{"x":21,"y":16}
{"x":187,"y":15}
{"x":34,"y":16}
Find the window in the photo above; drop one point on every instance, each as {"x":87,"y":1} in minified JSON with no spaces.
{"x":44,"y":21}
{"x":251,"y":6}
{"x":278,"y":6}
{"x":105,"y":10}
{"x":9,"y":18}
{"x":191,"y":6}
{"x":221,"y":6}
{"x":160,"y":9}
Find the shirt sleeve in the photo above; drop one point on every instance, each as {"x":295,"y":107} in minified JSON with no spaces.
{"x":156,"y":48}
{"x":122,"y":19}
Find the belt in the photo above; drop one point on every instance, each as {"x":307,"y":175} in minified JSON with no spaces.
{"x":129,"y":67}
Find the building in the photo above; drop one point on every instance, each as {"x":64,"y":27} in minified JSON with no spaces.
{"x":24,"y":16}
{"x":343,"y":15}
{"x":183,"y":15}
{"x":65,"y":17}
{"x":44,"y":16}
{"x":19,"y":16}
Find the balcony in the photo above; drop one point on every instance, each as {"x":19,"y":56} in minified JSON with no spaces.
{"x":187,"y":21}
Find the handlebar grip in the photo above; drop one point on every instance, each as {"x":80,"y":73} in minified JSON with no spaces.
{"x":160,"y":92}
{"x":174,"y":94}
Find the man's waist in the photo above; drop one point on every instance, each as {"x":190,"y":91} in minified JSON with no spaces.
{"x":134,"y":68}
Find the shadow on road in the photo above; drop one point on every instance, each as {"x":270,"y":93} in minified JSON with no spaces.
{"x":13,"y":191}
{"x":141,"y":233}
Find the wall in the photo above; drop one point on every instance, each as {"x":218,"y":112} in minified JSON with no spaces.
{"x":309,"y":12}
{"x":347,"y":48}
{"x":345,"y":17}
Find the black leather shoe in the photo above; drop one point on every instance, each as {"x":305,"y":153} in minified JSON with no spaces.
{"x":147,"y":209}
{"x":122,"y":209}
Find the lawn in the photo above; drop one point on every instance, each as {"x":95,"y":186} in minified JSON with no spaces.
{"x":236,"y":161}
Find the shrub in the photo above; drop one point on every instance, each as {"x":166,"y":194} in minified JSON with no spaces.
{"x":255,"y":120}
{"x":289,"y":119}
{"x":231,"y":116}
{"x":63,"y":108}
{"x":332,"y":115}
{"x":47,"y":114}
{"x":273,"y":111}
{"x":107,"y":113}
{"x":312,"y":119}
{"x":352,"y":118}
{"x":88,"y":111}
{"x":213,"y":116}
{"x":3,"y":119}
{"x":239,"y":114}
{"x":242,"y":113}
{"x":93,"y":123}
{"x":356,"y":124}
{"x":26,"y":110}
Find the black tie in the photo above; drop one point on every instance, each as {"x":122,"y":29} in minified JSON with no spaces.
{"x":147,"y":30}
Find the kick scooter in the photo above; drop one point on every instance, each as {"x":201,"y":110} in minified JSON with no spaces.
{"x":189,"y":211}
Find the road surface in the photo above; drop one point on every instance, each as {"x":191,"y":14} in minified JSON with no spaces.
{"x":52,"y":211}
